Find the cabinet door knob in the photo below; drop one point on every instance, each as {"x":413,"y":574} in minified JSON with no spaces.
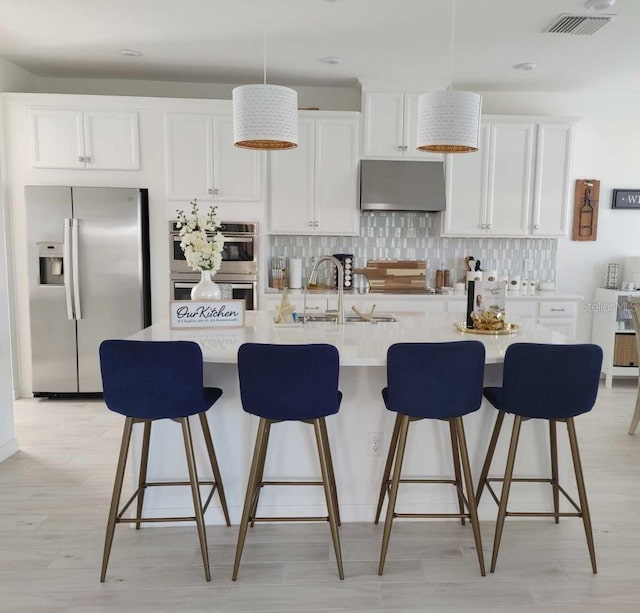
{"x":399,"y":147}
{"x":484,"y":226}
{"x":488,"y":226}
{"x":210,"y":191}
{"x":87,"y":159}
{"x":216,"y":191}
{"x":311,"y":223}
{"x":316,"y":223}
{"x":536,"y":227}
{"x":81,"y":158}
{"x":405,"y":148}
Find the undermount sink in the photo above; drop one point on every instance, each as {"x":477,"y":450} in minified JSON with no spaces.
{"x":332,"y":318}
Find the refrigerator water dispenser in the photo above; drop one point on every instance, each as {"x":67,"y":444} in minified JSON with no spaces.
{"x":50,"y":263}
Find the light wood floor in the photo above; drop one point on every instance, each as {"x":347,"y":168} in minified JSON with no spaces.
{"x":54,"y":497}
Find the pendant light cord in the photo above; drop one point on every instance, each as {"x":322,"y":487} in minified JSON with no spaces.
{"x":264,"y":42}
{"x":451,"y":44}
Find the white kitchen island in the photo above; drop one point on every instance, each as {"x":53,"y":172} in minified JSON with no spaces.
{"x":292,"y":453}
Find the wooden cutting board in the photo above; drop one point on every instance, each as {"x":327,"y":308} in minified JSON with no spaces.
{"x":395,"y":275}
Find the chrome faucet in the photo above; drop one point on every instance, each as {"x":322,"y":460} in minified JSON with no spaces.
{"x":313,"y":276}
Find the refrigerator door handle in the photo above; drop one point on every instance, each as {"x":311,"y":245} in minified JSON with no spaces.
{"x":66,"y":266}
{"x":76,"y":269}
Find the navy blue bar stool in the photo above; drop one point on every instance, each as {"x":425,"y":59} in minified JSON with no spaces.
{"x":146,"y":381}
{"x":310,"y":394}
{"x":432,"y":381}
{"x":552,"y":382}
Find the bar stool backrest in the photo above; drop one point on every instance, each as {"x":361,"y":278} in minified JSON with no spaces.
{"x":152,"y":379}
{"x":551,"y":381}
{"x":435,"y":380}
{"x":289,"y":382}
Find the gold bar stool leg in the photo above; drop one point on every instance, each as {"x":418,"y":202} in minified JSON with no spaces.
{"x":466,"y":469}
{"x":144,"y":461}
{"x":506,"y":486}
{"x":393,"y":494}
{"x":244,"y":522}
{"x":582,"y":492}
{"x":389,"y":464}
{"x":217,"y":477}
{"x":553,"y":443}
{"x":195,"y":491}
{"x":115,"y":498}
{"x":332,"y":476}
{"x":490,"y":451}
{"x":456,"y":466}
{"x":260,"y":473}
{"x":328,"y":495}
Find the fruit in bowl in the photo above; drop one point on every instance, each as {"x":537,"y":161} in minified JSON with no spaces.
{"x":489,"y":320}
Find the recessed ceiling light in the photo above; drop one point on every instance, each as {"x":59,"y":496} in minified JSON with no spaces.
{"x":599,"y":5}
{"x":526,"y":66}
{"x":131,"y":52}
{"x":331,"y":59}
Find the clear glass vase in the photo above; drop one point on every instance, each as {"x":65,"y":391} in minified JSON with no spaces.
{"x":206,"y":288}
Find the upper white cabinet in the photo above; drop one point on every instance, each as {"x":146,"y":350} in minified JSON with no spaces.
{"x":73,"y":139}
{"x":314,"y":188}
{"x":390,"y":124}
{"x":203,"y":162}
{"x":517,"y":184}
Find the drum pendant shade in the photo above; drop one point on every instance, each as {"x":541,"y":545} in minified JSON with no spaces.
{"x":265,"y":117}
{"x":449,"y":121}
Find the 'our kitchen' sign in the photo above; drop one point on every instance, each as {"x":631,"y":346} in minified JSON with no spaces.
{"x":189,"y":314}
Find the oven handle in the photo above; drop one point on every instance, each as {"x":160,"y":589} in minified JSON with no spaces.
{"x":190,"y":284}
{"x":232,"y":238}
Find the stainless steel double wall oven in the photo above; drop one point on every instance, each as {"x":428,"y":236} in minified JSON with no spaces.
{"x":238,"y":274}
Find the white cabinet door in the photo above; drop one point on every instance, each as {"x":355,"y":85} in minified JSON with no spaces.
{"x":111,"y":140}
{"x":292,"y":177}
{"x":57,"y":138}
{"x":510,"y":179}
{"x":411,"y":132}
{"x":237,"y":172}
{"x":465,"y":214}
{"x":383,"y":125}
{"x":564,"y":326}
{"x":336,"y":176}
{"x":551,"y":191}
{"x":189,"y":154}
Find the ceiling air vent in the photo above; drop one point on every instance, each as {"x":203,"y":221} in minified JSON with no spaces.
{"x":578,"y":24}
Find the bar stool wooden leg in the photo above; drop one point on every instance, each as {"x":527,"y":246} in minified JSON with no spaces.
{"x":260,"y":473}
{"x":506,"y":486}
{"x":553,"y":443}
{"x":471,"y":501}
{"x":217,"y":477}
{"x":117,"y":492}
{"x":332,"y":476}
{"x":333,"y":523}
{"x":582,"y":492}
{"x":393,"y":494}
{"x":456,"y":466}
{"x":387,"y":467}
{"x":488,"y":459}
{"x":144,"y":461}
{"x":195,"y":491}
{"x":248,"y":500}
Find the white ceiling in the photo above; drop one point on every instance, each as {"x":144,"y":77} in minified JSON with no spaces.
{"x":403,"y":42}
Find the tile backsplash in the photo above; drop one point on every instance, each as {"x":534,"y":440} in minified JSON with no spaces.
{"x":414,"y":236}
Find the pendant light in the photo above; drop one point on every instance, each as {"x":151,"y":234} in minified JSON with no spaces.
{"x":449,"y":121}
{"x":265,"y":116}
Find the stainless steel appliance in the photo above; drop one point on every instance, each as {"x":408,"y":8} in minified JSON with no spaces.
{"x":238,"y":274}
{"x":88,"y":280}
{"x":395,"y":185}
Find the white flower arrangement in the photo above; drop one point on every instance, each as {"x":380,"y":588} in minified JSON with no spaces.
{"x":202,"y":251}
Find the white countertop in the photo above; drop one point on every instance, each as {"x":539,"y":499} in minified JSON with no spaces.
{"x":359,"y":343}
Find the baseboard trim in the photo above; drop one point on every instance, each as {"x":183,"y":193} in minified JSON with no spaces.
{"x":8,"y":449}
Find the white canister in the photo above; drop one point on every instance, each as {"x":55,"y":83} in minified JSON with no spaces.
{"x":514,"y":283}
{"x":295,"y":273}
{"x":490,"y":275}
{"x":531,"y":288}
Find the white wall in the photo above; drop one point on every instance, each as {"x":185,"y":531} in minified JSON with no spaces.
{"x":15,"y":79}
{"x":605,"y":148}
{"x":327,"y":98}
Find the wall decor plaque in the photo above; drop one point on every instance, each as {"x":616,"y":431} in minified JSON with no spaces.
{"x":585,"y":210}
{"x":626,"y":199}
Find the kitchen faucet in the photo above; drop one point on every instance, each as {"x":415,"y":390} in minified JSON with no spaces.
{"x":312,"y":277}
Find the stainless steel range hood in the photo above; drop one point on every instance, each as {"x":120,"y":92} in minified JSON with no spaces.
{"x":390,"y":185}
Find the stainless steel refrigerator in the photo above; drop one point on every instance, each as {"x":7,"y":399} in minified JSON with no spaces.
{"x":88,"y":280}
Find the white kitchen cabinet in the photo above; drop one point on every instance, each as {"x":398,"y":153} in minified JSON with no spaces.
{"x":516,"y":185}
{"x":91,"y":140}
{"x":314,"y":188}
{"x":202,"y":162}
{"x":390,"y":125}
{"x":612,"y":319}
